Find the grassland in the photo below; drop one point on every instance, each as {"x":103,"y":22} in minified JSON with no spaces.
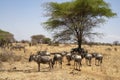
{"x":18,"y":67}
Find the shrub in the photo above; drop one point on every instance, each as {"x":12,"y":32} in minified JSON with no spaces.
{"x":8,"y":56}
{"x":54,"y":44}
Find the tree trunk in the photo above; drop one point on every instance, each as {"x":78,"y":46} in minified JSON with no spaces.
{"x":80,"y":42}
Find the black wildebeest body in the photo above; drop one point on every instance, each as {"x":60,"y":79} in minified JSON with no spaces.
{"x":63,"y":53}
{"x":69,"y":58}
{"x":57,"y":58}
{"x":43,"y":53}
{"x":88,"y":58}
{"x":19,"y":47}
{"x":80,"y":51}
{"x":77,"y":50}
{"x":41,"y":59}
{"x":98,"y":57}
{"x":77,"y":61}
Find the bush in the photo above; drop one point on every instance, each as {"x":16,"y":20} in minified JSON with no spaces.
{"x":54,"y":44}
{"x":8,"y":56}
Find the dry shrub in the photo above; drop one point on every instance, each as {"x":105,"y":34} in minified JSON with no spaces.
{"x":9,"y":56}
{"x":54,"y":44}
{"x":108,"y":49}
{"x":115,"y":49}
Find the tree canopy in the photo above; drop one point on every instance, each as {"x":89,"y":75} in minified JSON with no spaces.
{"x":40,"y":39}
{"x":5,"y":38}
{"x":76,"y":19}
{"x":4,"y":35}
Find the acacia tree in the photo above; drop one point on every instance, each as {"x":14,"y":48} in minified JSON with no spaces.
{"x":37,"y":38}
{"x":6,"y":38}
{"x":40,"y":39}
{"x":75,"y":20}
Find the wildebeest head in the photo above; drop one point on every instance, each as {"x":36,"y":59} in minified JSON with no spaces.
{"x":31,"y":57}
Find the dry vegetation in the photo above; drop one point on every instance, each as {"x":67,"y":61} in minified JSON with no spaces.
{"x":14,"y":65}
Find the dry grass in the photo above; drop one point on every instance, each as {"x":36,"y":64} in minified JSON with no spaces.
{"x":23,"y":70}
{"x":6,"y":56}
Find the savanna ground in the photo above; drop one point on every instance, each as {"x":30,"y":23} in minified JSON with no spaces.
{"x":19,"y":68}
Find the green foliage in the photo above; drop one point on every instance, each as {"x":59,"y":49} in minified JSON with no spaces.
{"x":40,"y":39}
{"x":5,"y":35}
{"x":54,"y":43}
{"x":5,"y":38}
{"x":37,"y":38}
{"x":75,"y":20}
{"x":46,"y":40}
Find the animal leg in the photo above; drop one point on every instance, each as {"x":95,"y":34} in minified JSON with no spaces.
{"x":38,"y":66}
{"x":74,"y":64}
{"x":95,"y":62}
{"x":79,"y":66}
{"x":61,"y":64}
{"x":49,"y":66}
{"x":89,"y":62}
{"x":86,"y":62}
{"x":68,"y":62}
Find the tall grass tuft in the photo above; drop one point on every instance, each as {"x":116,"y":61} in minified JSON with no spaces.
{"x":6,"y":56}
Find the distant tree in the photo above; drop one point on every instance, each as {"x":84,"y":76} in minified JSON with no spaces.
{"x":37,"y":38}
{"x":24,"y":41}
{"x":76,"y":19}
{"x":6,"y":38}
{"x":40,"y":39}
{"x":115,"y":42}
{"x":47,"y":41}
{"x":4,"y":35}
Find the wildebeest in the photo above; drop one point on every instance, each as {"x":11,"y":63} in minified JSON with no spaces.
{"x":19,"y":47}
{"x":77,"y":50}
{"x":98,"y":57}
{"x":88,"y":58}
{"x":63,"y":53}
{"x":69,"y":58}
{"x":41,"y":59}
{"x":43,"y":53}
{"x":77,"y":62}
{"x":80,"y":51}
{"x":57,"y":58}
{"x":76,"y":58}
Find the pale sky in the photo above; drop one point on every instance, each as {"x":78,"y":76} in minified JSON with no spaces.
{"x":24,"y":18}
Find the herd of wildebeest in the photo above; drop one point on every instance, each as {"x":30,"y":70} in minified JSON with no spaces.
{"x":76,"y":54}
